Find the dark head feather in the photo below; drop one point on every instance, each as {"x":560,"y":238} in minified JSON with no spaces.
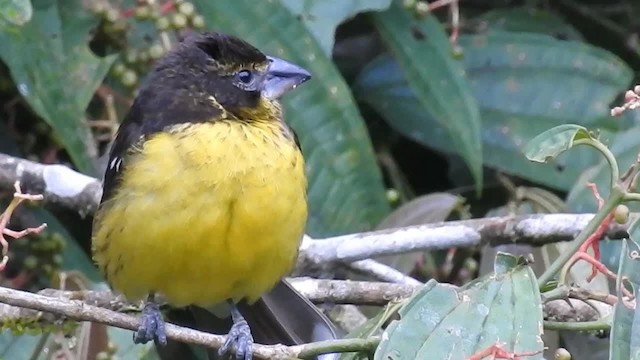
{"x":227,"y":50}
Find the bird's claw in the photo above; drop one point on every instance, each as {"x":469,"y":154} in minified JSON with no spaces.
{"x":151,"y":326}
{"x":239,"y":340}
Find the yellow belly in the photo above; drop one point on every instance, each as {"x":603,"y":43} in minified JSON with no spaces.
{"x":213,"y":212}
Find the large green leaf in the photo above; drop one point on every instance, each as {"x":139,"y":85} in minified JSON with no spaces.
{"x":525,"y":84}
{"x":323,"y":16}
{"x":528,"y":19}
{"x":422,"y":49}
{"x":625,"y":332}
{"x":443,"y":322}
{"x":345,"y":186}
{"x":55,"y":71}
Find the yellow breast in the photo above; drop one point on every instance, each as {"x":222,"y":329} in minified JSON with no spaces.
{"x":211,"y":212}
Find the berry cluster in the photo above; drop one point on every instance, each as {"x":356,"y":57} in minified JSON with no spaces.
{"x":120,"y":27}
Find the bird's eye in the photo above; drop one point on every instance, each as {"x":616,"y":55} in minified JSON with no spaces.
{"x":245,"y":76}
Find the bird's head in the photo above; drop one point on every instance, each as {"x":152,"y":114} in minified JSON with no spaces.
{"x":214,"y":69}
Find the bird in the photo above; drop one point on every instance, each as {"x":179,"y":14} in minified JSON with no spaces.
{"x":204,"y":194}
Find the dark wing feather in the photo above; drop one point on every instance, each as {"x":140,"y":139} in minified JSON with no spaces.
{"x":129,"y":134}
{"x":281,"y":316}
{"x":167,"y":103}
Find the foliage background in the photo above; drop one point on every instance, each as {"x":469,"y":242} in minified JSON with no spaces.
{"x":395,"y":117}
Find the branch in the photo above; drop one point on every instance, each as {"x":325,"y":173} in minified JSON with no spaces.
{"x":64,"y":187}
{"x":382,"y":272}
{"x":59,"y":185}
{"x":533,"y":230}
{"x":65,"y":303}
{"x":81,"y":311}
{"x":351,"y":292}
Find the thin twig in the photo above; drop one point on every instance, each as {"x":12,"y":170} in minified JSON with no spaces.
{"x":18,"y":198}
{"x":382,"y":272}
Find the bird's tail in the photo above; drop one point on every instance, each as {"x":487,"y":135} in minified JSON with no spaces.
{"x":281,"y":316}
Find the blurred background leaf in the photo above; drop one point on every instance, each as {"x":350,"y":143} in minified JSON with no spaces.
{"x":56,"y":73}
{"x":436,"y":78}
{"x":323,"y":17}
{"x":524,"y":85}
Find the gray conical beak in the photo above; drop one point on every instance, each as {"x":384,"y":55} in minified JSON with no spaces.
{"x":281,"y":77}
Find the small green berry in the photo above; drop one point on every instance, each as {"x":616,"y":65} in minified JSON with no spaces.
{"x":142,"y":12}
{"x":422,"y":8}
{"x":409,"y":4}
{"x":47,"y":269}
{"x":179,"y":21}
{"x":103,"y":355}
{"x":187,"y":9}
{"x":156,"y":51}
{"x":118,"y":69}
{"x":57,"y":260}
{"x":621,"y":214}
{"x":99,"y":8}
{"x":457,"y":51}
{"x":58,"y":240}
{"x":129,"y":78}
{"x":163,"y":23}
{"x":131,"y":56}
{"x":111,"y":15}
{"x":30,"y":262}
{"x":562,"y":354}
{"x":197,"y":21}
{"x":143,"y":57}
{"x":393,"y":196}
{"x":119,"y":26}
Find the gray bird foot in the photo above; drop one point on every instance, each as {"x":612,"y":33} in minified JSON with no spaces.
{"x":151,"y":326}
{"x":239,"y":340}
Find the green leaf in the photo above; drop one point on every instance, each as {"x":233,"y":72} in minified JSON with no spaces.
{"x":322,"y":17}
{"x":56,"y":73}
{"x":444,"y":322}
{"x":346,"y":193}
{"x":625,"y":337}
{"x":16,"y":12}
{"x":525,"y":84}
{"x":20,"y":347}
{"x":370,"y":328}
{"x":553,"y":142}
{"x":528,"y":19}
{"x":422,"y":49}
